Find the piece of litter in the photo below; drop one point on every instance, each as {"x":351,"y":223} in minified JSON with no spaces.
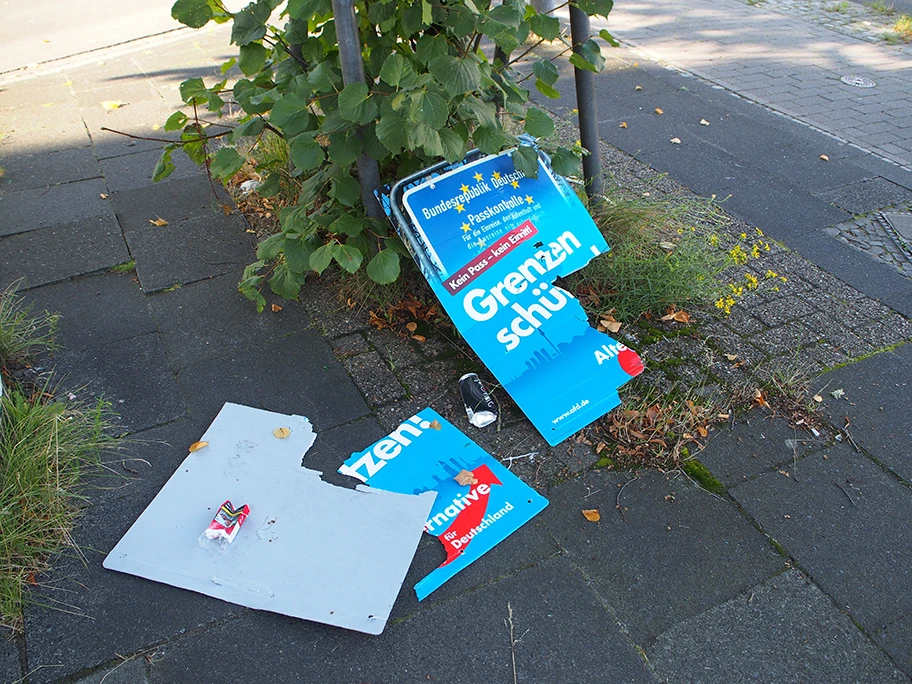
{"x":281,"y":432}
{"x":818,"y":398}
{"x":675,"y":141}
{"x":638,"y":87}
{"x":837,"y":393}
{"x":623,"y":124}
{"x":249,"y":186}
{"x":224,"y":526}
{"x":102,"y":195}
{"x":704,"y":122}
{"x":509,"y":459}
{"x":333,"y":555}
{"x":71,"y":396}
{"x":469,"y":520}
{"x":815,"y":432}
{"x":479,"y":406}
{"x":823,"y":157}
{"x":591,"y":514}
{"x":113,"y":104}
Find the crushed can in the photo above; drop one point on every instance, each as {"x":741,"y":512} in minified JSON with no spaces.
{"x":479,"y":406}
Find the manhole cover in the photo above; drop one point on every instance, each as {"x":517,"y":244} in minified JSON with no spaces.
{"x":858,"y":81}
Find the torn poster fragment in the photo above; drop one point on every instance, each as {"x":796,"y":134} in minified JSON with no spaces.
{"x":491,"y":242}
{"x":305,"y":543}
{"x":427,"y":454}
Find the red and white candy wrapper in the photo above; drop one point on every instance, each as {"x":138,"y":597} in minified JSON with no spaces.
{"x":226,"y":523}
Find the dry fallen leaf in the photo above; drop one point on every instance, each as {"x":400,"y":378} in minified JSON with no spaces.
{"x":435,"y":425}
{"x":759,"y":398}
{"x":824,"y":157}
{"x":281,"y":432}
{"x":623,"y":124}
{"x":638,"y":87}
{"x":703,"y":431}
{"x":196,"y":446}
{"x":608,"y":323}
{"x":675,"y":141}
{"x":113,"y":104}
{"x":724,"y":416}
{"x":676,"y":315}
{"x":159,"y":221}
{"x":818,"y":398}
{"x":275,"y":308}
{"x":704,"y":122}
{"x":731,"y":357}
{"x":592,"y":514}
{"x":465,"y":477}
{"x":659,"y":111}
{"x":411,"y":327}
{"x":102,"y":195}
{"x":419,"y":338}
{"x":667,"y":245}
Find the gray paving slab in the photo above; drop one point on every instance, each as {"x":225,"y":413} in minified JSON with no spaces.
{"x":857,"y":269}
{"x":784,"y":630}
{"x":131,"y":171}
{"x":843,"y":520}
{"x":26,"y":171}
{"x":702,"y":167}
{"x":651,"y":575}
{"x":868,"y":195}
{"x":758,"y":443}
{"x":142,"y":119}
{"x":377,"y":382}
{"x":173,"y":200}
{"x":27,"y":210}
{"x":209,"y":318}
{"x":465,"y":640}
{"x":335,"y":445}
{"x":92,"y":244}
{"x":124,"y":671}
{"x":895,"y":640}
{"x":131,"y":374}
{"x":109,"y":614}
{"x":10,"y":667}
{"x":778,"y":207}
{"x":878,"y":402}
{"x":96,"y":310}
{"x":45,"y":127}
{"x":266,"y":377}
{"x":189,"y":250}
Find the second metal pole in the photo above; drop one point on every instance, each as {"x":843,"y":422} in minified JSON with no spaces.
{"x":586,"y":106}
{"x":353,"y":72}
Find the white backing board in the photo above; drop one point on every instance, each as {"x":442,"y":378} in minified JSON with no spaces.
{"x":308,"y":549}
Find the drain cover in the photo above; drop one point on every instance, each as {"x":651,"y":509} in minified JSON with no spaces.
{"x":858,"y":81}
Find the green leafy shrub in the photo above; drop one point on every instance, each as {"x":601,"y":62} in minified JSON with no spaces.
{"x":431,"y":93}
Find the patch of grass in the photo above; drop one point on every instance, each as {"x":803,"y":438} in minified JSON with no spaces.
{"x":699,"y":472}
{"x":656,"y":260}
{"x":839,"y":7}
{"x":45,"y":446}
{"x":21,"y":332}
{"x":903,"y":28}
{"x":125,"y":267}
{"x":881,"y":7}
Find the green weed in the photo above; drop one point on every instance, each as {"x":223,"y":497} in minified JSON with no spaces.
{"x":125,"y":267}
{"x":45,"y":446}
{"x":21,"y":333}
{"x":656,"y":260}
{"x":881,"y":7}
{"x":903,"y":28}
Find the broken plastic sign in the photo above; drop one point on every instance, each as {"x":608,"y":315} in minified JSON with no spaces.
{"x":493,"y":242}
{"x":425,"y":453}
{"x":304,"y":547}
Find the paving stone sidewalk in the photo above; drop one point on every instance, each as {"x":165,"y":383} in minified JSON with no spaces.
{"x":800,"y":571}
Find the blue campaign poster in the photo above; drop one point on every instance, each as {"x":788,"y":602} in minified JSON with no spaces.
{"x":426,"y":453}
{"x":496,"y":241}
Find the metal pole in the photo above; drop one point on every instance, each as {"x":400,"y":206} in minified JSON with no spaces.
{"x":586,"y":106}
{"x":353,"y":72}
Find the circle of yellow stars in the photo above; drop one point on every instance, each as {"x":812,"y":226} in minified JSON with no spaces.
{"x":460,"y":207}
